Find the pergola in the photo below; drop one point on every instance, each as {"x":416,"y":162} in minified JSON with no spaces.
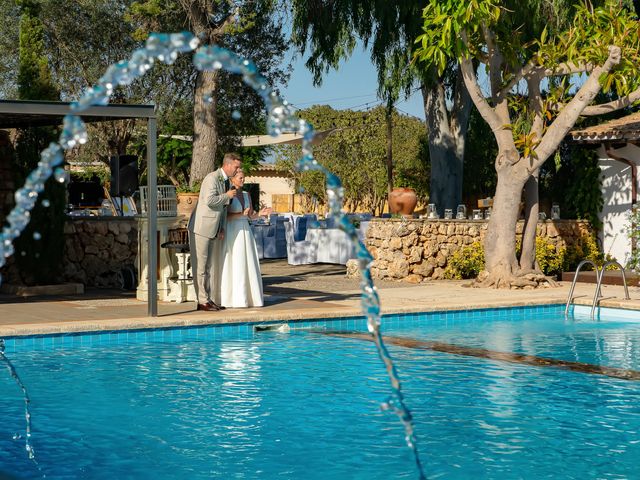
{"x":27,"y":113}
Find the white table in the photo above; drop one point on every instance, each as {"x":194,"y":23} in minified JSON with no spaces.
{"x":333,"y":245}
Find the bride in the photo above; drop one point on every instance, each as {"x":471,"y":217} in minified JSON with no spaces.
{"x":240,"y":282}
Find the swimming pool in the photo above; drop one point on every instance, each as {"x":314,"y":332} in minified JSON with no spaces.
{"x":225,"y":402}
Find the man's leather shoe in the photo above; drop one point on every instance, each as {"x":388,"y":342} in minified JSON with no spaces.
{"x":207,"y":307}
{"x":214,"y":304}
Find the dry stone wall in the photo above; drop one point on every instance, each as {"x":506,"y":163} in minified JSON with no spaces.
{"x":97,"y":250}
{"x":418,"y":250}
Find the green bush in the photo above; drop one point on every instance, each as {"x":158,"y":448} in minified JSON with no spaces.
{"x":548,"y":257}
{"x":466,"y":262}
{"x":585,"y":248}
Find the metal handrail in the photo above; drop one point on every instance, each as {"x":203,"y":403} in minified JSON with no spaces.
{"x":599,"y":284}
{"x":575,"y":279}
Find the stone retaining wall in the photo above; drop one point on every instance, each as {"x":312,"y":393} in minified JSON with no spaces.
{"x":97,"y":249}
{"x":417,"y":250}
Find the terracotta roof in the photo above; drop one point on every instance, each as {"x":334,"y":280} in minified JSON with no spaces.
{"x":267,"y":169}
{"x":621,"y":129}
{"x":267,"y":166}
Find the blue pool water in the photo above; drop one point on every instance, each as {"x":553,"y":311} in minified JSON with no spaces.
{"x":232,"y":404}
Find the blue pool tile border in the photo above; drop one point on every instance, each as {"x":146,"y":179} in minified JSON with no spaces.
{"x":245,"y":330}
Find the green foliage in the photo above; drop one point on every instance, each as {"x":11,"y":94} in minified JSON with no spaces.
{"x":34,"y":77}
{"x":466,"y":262}
{"x":9,"y":38}
{"x":479,"y":176}
{"x":92,"y":173}
{"x":574,"y":183}
{"x":453,"y":18}
{"x":41,"y":245}
{"x":633,"y":230}
{"x":356,"y":152}
{"x":251,"y":29}
{"x":550,"y":259}
{"x":585,"y":248}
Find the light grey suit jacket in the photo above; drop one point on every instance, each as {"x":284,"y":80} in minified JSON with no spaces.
{"x":210,"y":215}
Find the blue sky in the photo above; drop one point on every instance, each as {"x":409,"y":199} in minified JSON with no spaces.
{"x":353,"y":86}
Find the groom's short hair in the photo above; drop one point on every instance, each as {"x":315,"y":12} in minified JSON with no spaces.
{"x":230,"y":157}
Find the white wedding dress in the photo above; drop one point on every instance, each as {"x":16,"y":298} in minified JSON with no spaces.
{"x":239,"y":283}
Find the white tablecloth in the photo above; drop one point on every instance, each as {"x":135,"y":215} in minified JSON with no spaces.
{"x":333,"y":245}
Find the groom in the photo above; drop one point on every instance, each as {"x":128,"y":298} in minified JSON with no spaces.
{"x":207,"y":225}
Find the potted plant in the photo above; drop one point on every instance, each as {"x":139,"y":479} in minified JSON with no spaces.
{"x":187,"y":198}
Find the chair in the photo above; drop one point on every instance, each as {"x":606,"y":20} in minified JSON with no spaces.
{"x":274,"y":242}
{"x":298,"y":252}
{"x":258,"y":234}
{"x":180,"y":280}
{"x":306,"y":221}
{"x":330,"y":222}
{"x":300,"y":229}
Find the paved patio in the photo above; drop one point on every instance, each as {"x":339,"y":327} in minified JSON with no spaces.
{"x":291,"y":292}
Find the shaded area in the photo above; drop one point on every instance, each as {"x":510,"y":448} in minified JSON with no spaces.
{"x":509,"y":357}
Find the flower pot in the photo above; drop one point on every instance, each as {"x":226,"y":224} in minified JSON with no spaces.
{"x":186,"y":203}
{"x":403,"y":201}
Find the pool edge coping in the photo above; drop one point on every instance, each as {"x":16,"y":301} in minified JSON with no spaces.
{"x":192,"y":319}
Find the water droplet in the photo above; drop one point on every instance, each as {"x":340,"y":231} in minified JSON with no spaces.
{"x":37,"y":236}
{"x":236,"y":115}
{"x":46,"y":203}
{"x":60,"y":175}
{"x":17,"y":436}
{"x":23,"y":253}
{"x":208,"y":98}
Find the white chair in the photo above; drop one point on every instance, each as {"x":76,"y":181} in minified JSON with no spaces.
{"x":299,"y":252}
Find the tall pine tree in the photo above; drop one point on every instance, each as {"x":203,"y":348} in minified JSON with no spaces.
{"x":39,"y":250}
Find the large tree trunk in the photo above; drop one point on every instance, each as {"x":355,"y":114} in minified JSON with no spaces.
{"x":501,"y":266}
{"x":205,"y":129}
{"x":531,"y":209}
{"x":447,"y":134}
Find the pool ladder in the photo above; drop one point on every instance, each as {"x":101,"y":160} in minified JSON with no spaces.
{"x":598,"y":293}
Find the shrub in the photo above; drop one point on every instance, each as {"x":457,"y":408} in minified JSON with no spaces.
{"x":550,"y":259}
{"x":466,"y":262}
{"x":585,"y":248}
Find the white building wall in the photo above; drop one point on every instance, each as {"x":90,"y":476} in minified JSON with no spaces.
{"x":616,"y":192}
{"x":270,"y":186}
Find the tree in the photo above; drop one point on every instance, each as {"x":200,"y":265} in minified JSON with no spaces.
{"x":246,"y":27}
{"x":331,"y":29}
{"x":9,"y":38}
{"x":82,"y":39}
{"x":598,"y":50}
{"x":41,"y":244}
{"x":356,"y":152}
